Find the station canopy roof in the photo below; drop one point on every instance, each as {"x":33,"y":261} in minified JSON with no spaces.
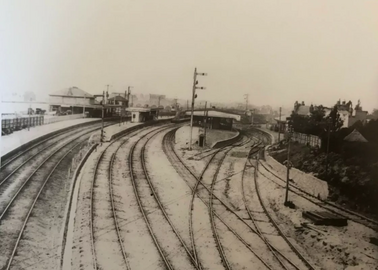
{"x":215,"y":113}
{"x":134,"y":109}
{"x":72,"y":92}
{"x":118,"y":98}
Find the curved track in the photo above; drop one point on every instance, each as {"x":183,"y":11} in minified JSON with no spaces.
{"x":106,"y":160}
{"x":33,"y":184}
{"x":348,"y":214}
{"x":280,"y":232}
{"x":212,"y":211}
{"x":133,"y":180}
{"x":182,"y":168}
{"x":191,"y":254}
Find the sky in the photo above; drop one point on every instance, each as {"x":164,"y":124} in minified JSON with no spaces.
{"x":275,"y":51}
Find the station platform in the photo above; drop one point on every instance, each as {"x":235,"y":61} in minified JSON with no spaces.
{"x":273,"y":133}
{"x":10,"y":142}
{"x":116,"y":128}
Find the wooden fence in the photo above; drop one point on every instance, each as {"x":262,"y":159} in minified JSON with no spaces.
{"x":21,"y":122}
{"x":11,"y":124}
{"x":307,"y":139}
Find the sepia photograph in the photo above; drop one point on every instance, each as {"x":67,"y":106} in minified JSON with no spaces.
{"x":189,"y":135}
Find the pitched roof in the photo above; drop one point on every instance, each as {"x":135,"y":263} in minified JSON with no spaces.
{"x":71,"y":92}
{"x":303,"y":110}
{"x":355,"y":136}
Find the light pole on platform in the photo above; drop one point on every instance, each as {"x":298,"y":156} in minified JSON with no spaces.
{"x":194,"y":96}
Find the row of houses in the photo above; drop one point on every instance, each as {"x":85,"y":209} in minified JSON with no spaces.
{"x":347,"y":113}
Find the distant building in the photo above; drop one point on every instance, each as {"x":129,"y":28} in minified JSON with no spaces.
{"x":345,"y":109}
{"x":216,"y":119}
{"x":71,"y":99}
{"x":349,"y":115}
{"x":301,"y":109}
{"x":118,"y":100}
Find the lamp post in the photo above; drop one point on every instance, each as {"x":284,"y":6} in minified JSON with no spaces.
{"x":194,"y":96}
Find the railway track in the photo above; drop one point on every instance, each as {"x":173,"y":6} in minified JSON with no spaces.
{"x":18,"y":209}
{"x":212,"y":211}
{"x":192,"y":254}
{"x":141,"y":207}
{"x":175,"y":158}
{"x":36,"y":149}
{"x":184,"y":170}
{"x":212,"y":154}
{"x":101,"y":194}
{"x":348,"y":214}
{"x":102,"y":191}
{"x":260,"y":215}
{"x":14,"y":170}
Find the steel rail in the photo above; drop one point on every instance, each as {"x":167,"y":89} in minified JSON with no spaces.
{"x":9,"y":160}
{"x":295,"y":250}
{"x":94,"y":259}
{"x":114,"y":211}
{"x":143,"y":160}
{"x":130,"y":158}
{"x":194,"y":191}
{"x":211,"y":212}
{"x":168,"y":137}
{"x":273,"y":250}
{"x":227,"y":207}
{"x":319,"y":203}
{"x":31,"y":175}
{"x":32,"y":206}
{"x":33,"y":156}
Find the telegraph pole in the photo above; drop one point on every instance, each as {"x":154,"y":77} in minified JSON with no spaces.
{"x":205,"y":124}
{"x":84,"y":107}
{"x":102,"y":112}
{"x":328,"y":136}
{"x":128,"y":99}
{"x":29,"y":112}
{"x":279,"y":127}
{"x":288,"y":165}
{"x":246,"y":103}
{"x":102,"y":116}
{"x":195,"y":82}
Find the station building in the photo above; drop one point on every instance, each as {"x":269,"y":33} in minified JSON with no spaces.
{"x":215,"y":119}
{"x":72,"y":100}
{"x":139,"y":115}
